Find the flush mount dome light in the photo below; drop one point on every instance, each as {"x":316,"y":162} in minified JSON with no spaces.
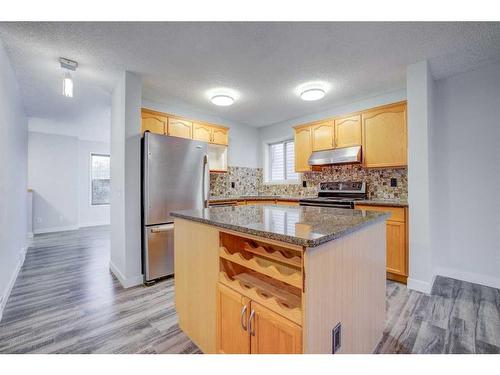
{"x":312,"y":94}
{"x":222,"y":100}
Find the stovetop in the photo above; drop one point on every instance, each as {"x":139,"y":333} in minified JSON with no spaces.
{"x":345,"y":193}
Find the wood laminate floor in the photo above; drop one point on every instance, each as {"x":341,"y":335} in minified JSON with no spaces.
{"x":65,"y":300}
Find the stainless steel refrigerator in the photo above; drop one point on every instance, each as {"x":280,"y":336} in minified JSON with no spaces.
{"x":174,"y":177}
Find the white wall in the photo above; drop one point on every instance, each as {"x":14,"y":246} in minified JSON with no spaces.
{"x":244,"y":149}
{"x":53,"y":176}
{"x":125,"y":262}
{"x":95,"y":126}
{"x":13,"y":172}
{"x":419,"y":86}
{"x":466,"y":168}
{"x":59,"y":174}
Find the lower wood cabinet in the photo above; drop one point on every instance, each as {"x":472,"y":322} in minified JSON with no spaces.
{"x":232,"y":320}
{"x":270,"y":333}
{"x":246,"y":327}
{"x":397,"y":241}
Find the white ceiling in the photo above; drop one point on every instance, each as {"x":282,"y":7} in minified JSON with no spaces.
{"x":263,"y":62}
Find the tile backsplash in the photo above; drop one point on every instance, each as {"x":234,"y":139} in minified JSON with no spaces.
{"x":249,"y":181}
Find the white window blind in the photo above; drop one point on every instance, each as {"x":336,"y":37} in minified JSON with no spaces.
{"x":282,"y":162}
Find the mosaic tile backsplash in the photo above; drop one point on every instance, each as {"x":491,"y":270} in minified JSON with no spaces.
{"x":249,"y":181}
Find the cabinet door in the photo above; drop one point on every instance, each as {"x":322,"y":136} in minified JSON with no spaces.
{"x":154,"y":123}
{"x":273,"y":334}
{"x":323,"y":135}
{"x":348,"y":131}
{"x":180,"y":128}
{"x":396,"y":248}
{"x":232,"y":319}
{"x":384,"y":137}
{"x":219,"y":136}
{"x":303,"y":149}
{"x":202,"y":132}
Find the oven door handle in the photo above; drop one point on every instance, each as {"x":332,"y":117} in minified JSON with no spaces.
{"x":333,"y":205}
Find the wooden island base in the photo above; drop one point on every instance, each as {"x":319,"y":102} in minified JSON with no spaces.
{"x":238,"y":293}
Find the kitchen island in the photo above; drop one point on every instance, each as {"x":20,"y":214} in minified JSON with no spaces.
{"x":277,"y":279}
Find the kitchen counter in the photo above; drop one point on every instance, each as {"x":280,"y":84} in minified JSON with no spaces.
{"x":302,"y":225}
{"x":294,"y":198}
{"x":255,"y":198}
{"x":383,"y":202}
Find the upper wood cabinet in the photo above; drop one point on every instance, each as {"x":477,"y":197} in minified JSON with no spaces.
{"x":219,"y":136}
{"x":178,"y":127}
{"x":323,"y":135}
{"x":202,"y":132}
{"x":303,"y":148}
{"x":153,"y":122}
{"x":232,"y":319}
{"x":348,"y":131}
{"x":384,"y":136}
{"x":273,"y":334}
{"x":210,"y":134}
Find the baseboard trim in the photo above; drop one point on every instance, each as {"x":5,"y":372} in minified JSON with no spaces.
{"x":56,"y":229}
{"x":420,"y":285}
{"x":22,"y":256}
{"x":126,"y":282}
{"x":470,"y":277}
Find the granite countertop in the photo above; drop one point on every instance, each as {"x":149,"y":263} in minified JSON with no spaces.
{"x":370,"y":202}
{"x":254,"y":198}
{"x":384,"y":202}
{"x":299,"y":225}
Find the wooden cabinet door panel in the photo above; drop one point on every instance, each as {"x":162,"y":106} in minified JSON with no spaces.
{"x":272,"y":333}
{"x":153,"y":123}
{"x":396,"y":248}
{"x":219,"y":136}
{"x":202,"y":132}
{"x":231,"y":337}
{"x":322,"y":135}
{"x":348,"y":131}
{"x":384,"y":137}
{"x":180,"y":128}
{"x":303,"y":149}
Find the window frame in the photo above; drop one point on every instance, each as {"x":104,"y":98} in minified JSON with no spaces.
{"x":91,"y":204}
{"x":269,"y":180}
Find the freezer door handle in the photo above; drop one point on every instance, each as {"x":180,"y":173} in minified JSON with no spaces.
{"x":163,"y":228}
{"x":205,"y":188}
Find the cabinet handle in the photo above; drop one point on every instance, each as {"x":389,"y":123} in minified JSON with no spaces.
{"x":242,"y":322}
{"x":251,"y":330}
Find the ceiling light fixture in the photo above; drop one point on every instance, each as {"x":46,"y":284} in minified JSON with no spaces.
{"x":222,"y":100}
{"x":312,"y":94}
{"x":67,"y":80}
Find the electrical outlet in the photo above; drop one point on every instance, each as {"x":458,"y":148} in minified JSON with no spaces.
{"x":336,"y":338}
{"x":38,"y":220}
{"x":394,"y":182}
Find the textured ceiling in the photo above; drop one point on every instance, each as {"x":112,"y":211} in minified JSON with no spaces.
{"x":263,"y":62}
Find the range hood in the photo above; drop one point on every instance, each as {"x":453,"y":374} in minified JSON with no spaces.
{"x":342,"y":155}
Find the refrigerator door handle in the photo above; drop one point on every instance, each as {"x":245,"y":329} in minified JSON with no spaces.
{"x":205,"y":188}
{"x":163,"y":228}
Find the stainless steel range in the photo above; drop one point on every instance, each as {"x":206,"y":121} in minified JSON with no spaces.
{"x":337,"y":194}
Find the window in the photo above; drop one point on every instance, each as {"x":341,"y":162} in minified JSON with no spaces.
{"x":99,"y":179}
{"x":282,"y":162}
